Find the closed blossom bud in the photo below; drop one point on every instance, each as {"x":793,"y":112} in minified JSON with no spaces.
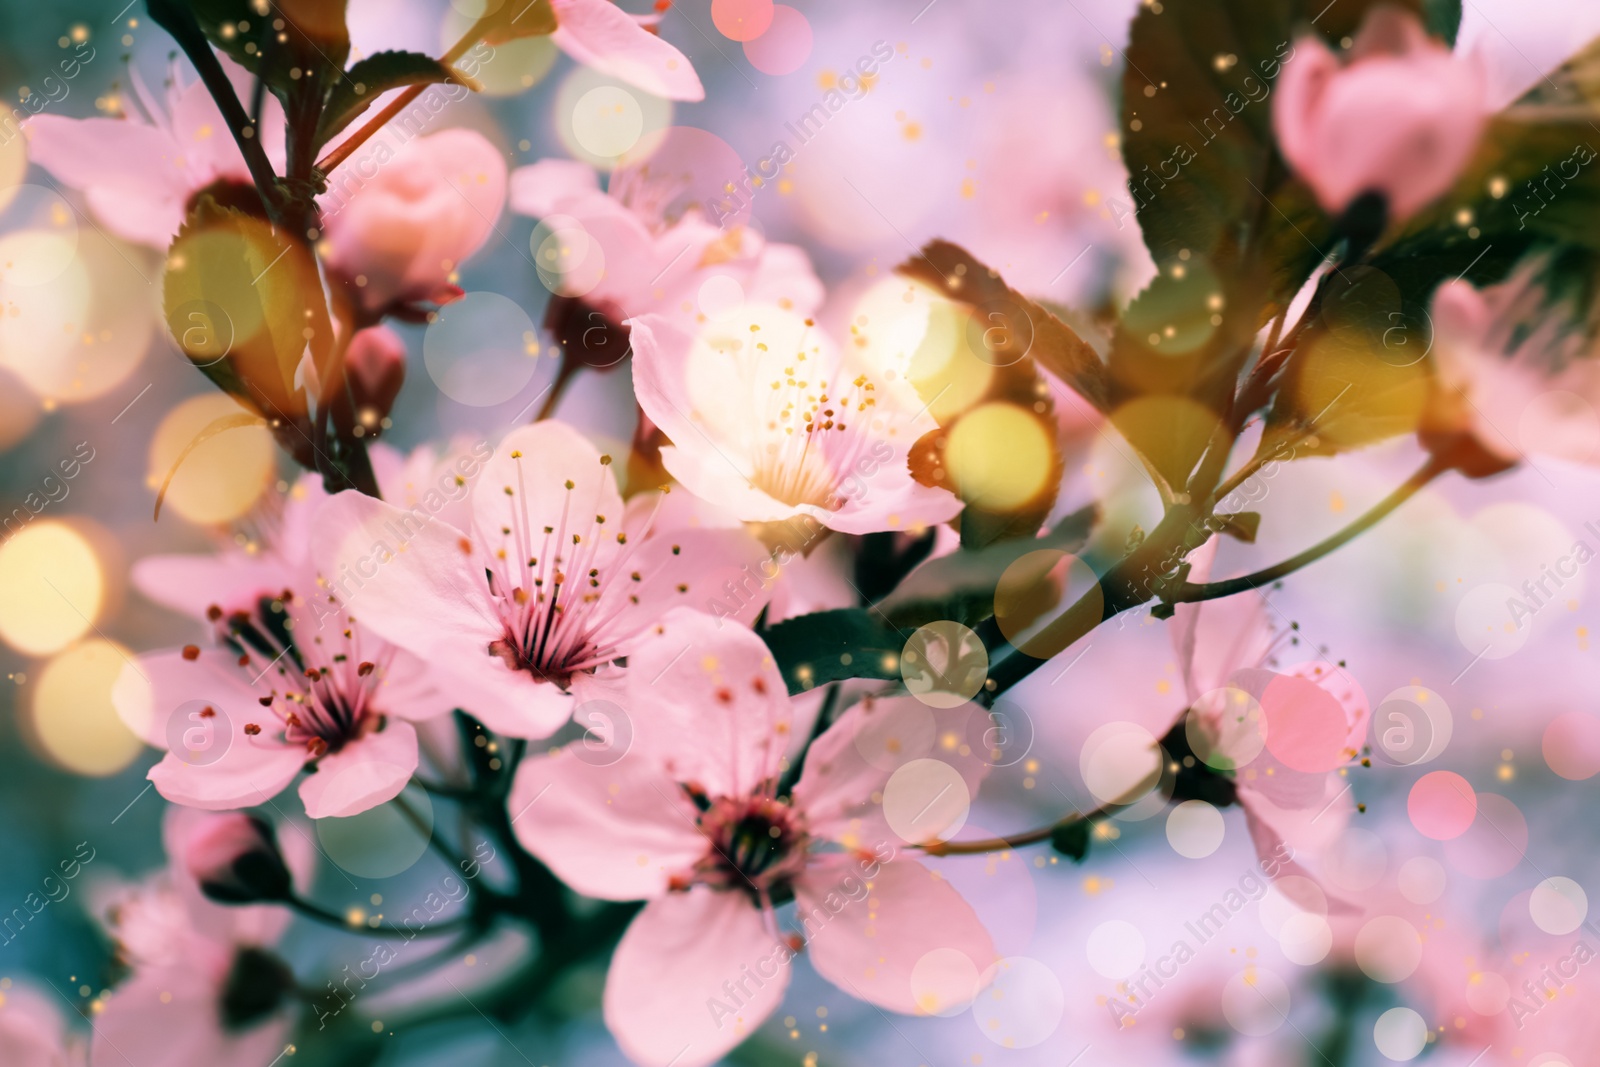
{"x":399,"y":222}
{"x":375,"y":368}
{"x":1400,"y":118}
{"x":235,"y":859}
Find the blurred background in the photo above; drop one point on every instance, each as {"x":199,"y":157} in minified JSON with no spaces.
{"x":992,"y":125}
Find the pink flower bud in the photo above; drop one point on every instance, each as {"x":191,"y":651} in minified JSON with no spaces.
{"x":375,"y":368}
{"x":400,"y":222}
{"x":234,"y":857}
{"x":1401,"y":117}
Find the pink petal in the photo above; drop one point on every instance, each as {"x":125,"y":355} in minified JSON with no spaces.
{"x":695,"y":974}
{"x":139,"y":1026}
{"x":1214,"y":638}
{"x":406,"y":577}
{"x":613,"y":830}
{"x":33,"y":1031}
{"x":848,"y":765}
{"x":149,"y":694}
{"x":599,"y":34}
{"x":407,"y":689}
{"x":190,"y":584}
{"x":525,"y":486}
{"x":369,"y":771}
{"x":512,"y":703}
{"x":253,"y":771}
{"x":724,"y":573}
{"x":867,"y":935}
{"x":553,"y":185}
{"x":706,"y":698}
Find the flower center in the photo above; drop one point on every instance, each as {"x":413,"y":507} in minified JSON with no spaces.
{"x":557,"y":587}
{"x":317,"y":686}
{"x":757,"y":844}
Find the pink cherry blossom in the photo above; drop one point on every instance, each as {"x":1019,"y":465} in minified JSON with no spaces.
{"x":770,"y":421}
{"x":33,"y":1030}
{"x":1401,"y":117}
{"x":184,"y":953}
{"x":655,"y":264}
{"x":139,"y":172}
{"x":290,"y":682}
{"x":1498,"y":399}
{"x":550,"y":580}
{"x":413,"y":215}
{"x":599,"y":34}
{"x":690,"y":820}
{"x":1270,"y":728}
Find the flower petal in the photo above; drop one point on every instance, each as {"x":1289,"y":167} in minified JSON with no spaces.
{"x":553,"y":185}
{"x":867,"y":936}
{"x":252,"y":771}
{"x":599,"y":34}
{"x":706,"y":699}
{"x":617,"y":831}
{"x":695,"y":974}
{"x":366,"y":772}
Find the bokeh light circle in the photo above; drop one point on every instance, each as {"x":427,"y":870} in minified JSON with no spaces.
{"x":383,"y":841}
{"x":786,"y":44}
{"x":1226,"y":728}
{"x":1307,"y":728}
{"x":1022,"y":1005}
{"x":1047,"y":590}
{"x":1400,"y":1034}
{"x":1003,"y":737}
{"x":944,"y":664}
{"x":607,"y":121}
{"x":223,"y":475}
{"x":1255,"y":1002}
{"x":1487,"y":992}
{"x":1288,"y":897}
{"x":1442,"y":805}
{"x":1305,"y":939}
{"x":512,"y":67}
{"x":41,"y":237}
{"x":681,"y":168}
{"x":741,"y":20}
{"x":1116,"y":948}
{"x":1422,"y":879}
{"x":1000,"y":456}
{"x":926,"y":800}
{"x":1120,"y":762}
{"x":481,"y":349}
{"x":1558,"y":905}
{"x":52,"y":587}
{"x":1411,"y":726}
{"x":1195,"y":829}
{"x":944,"y":982}
{"x":73,"y":716}
{"x":567,"y":258}
{"x":1571,"y":745}
{"x":1388,"y":949}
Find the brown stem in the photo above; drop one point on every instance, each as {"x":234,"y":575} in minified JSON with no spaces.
{"x":1003,"y":844}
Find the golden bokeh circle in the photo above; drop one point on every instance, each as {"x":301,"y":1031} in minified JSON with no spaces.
{"x":72,"y":716}
{"x":52,"y":586}
{"x":224,"y":475}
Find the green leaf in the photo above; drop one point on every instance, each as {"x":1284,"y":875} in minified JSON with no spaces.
{"x":961,"y":585}
{"x":1241,"y":526}
{"x":370,"y":78}
{"x":1442,"y":18}
{"x":1072,"y":839}
{"x":1051,"y":343}
{"x":313,"y":39}
{"x":830,"y":646}
{"x":1532,"y":189}
{"x":510,"y":20}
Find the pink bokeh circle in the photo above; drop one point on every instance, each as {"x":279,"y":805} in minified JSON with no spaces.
{"x":741,"y":20}
{"x":1307,"y":728}
{"x":785,"y":45}
{"x":1572,"y":745}
{"x":1442,"y":805}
